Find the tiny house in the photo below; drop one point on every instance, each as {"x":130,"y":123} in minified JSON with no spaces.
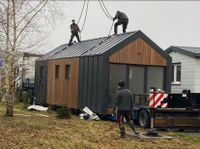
{"x":185,"y":68}
{"x":86,"y":73}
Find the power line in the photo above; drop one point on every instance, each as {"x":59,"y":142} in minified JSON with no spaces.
{"x":81,"y":12}
{"x":85,"y":16}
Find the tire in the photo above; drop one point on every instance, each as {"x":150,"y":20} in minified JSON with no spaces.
{"x":144,"y":119}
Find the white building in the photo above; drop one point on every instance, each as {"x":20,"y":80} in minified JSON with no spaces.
{"x":27,"y":69}
{"x":185,"y":68}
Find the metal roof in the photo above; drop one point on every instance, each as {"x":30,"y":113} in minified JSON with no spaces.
{"x":190,"y":51}
{"x":86,"y":48}
{"x":51,"y":53}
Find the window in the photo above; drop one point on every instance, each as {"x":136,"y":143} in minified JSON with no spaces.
{"x":67,"y":71}
{"x":176,"y":73}
{"x":155,"y":77}
{"x":136,"y":79}
{"x":117,"y":72}
{"x":57,"y":71}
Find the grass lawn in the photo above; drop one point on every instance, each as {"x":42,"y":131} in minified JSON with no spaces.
{"x":37,"y":132}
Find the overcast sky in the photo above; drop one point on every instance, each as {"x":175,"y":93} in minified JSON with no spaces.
{"x":165,"y":22}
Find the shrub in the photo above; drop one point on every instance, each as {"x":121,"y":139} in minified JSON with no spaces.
{"x":63,"y":112}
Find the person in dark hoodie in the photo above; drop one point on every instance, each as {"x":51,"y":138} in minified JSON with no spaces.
{"x":122,"y":19}
{"x":123,"y":107}
{"x":74,"y":30}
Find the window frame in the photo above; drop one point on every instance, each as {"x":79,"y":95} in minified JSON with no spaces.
{"x":174,"y":75}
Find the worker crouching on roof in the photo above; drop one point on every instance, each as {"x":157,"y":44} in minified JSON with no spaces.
{"x":123,"y":108}
{"x":74,"y":30}
{"x":122,"y":19}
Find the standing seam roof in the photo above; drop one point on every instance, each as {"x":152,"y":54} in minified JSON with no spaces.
{"x":191,"y":51}
{"x":87,"y":48}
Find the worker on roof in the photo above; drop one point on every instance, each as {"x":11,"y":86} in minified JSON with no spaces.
{"x":74,"y":32}
{"x":122,"y":19}
{"x":123,"y":107}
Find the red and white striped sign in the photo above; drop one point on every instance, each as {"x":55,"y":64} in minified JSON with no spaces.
{"x":155,"y":100}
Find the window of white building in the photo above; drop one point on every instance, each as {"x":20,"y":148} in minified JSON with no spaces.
{"x":176,"y":73}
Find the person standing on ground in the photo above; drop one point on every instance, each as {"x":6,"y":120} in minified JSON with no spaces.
{"x":74,"y":32}
{"x":123,"y":107}
{"x":122,"y":19}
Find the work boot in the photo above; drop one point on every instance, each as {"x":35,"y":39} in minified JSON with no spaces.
{"x":69,"y":44}
{"x":123,"y":134}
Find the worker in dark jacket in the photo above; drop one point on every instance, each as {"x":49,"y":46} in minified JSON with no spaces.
{"x":123,"y":107}
{"x":122,"y":19}
{"x":74,"y":30}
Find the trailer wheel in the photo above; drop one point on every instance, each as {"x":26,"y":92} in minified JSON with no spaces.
{"x":143,"y":118}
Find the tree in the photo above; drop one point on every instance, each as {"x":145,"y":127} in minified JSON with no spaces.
{"x":20,"y":30}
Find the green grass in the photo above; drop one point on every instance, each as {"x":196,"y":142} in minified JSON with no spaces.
{"x":37,"y":132}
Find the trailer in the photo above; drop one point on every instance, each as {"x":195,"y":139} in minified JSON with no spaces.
{"x":172,"y":111}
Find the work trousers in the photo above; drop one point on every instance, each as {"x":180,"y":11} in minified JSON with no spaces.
{"x":72,"y":37}
{"x":124,"y":23}
{"x":121,"y":114}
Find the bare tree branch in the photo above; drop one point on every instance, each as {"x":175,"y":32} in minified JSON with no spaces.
{"x":27,"y":14}
{"x":31,"y":19}
{"x":3,"y":4}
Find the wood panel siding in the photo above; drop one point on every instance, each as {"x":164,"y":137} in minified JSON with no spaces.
{"x":63,"y":91}
{"x":138,"y":52}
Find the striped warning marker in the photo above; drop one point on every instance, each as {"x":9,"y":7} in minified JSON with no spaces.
{"x":155,"y":100}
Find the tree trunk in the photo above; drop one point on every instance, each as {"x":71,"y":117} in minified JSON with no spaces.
{"x":9,"y":94}
{"x":9,"y":105}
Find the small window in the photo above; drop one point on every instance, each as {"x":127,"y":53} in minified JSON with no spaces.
{"x":67,"y":71}
{"x":176,"y":73}
{"x":57,"y":71}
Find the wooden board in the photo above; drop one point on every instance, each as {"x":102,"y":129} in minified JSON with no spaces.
{"x":138,"y":52}
{"x":63,"y":91}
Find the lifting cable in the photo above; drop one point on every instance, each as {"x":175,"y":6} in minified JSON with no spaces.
{"x":111,"y":28}
{"x":85,"y":16}
{"x":81,"y":12}
{"x":105,"y":9}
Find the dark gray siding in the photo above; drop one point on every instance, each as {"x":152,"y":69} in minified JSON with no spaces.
{"x":40,"y":91}
{"x":93,"y":83}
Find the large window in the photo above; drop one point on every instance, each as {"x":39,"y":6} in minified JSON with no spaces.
{"x":57,"y":67}
{"x":117,"y":72}
{"x":136,"y":79}
{"x":155,"y":77}
{"x":176,"y":73}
